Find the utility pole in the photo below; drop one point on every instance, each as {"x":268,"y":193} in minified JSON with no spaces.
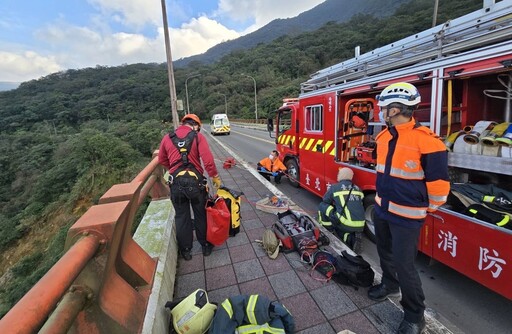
{"x":434,"y":18}
{"x":190,"y":76}
{"x":225,"y":102}
{"x":255,"y":97}
{"x":170,"y":70}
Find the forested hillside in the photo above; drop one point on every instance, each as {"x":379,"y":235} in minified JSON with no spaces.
{"x":67,"y":138}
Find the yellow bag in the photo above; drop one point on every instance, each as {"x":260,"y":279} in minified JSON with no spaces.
{"x":193,"y":315}
{"x":233,"y":200}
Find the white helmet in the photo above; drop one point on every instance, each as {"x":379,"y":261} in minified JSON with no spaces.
{"x":400,"y":92}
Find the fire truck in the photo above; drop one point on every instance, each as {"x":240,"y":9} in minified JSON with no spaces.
{"x":463,"y":71}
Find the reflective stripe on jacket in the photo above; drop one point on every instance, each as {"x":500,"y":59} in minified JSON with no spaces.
{"x":333,"y":202}
{"x":412,"y":172}
{"x":251,"y":314}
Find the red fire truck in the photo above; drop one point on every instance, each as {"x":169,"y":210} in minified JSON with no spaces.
{"x":463,"y":71}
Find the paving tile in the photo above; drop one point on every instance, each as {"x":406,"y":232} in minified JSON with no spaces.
{"x":255,"y":234}
{"x":237,"y":240}
{"x":324,"y":328}
{"x":250,"y":215}
{"x":333,"y":301}
{"x":186,"y":267}
{"x":274,"y":266}
{"x":385,"y":316}
{"x":294,"y":260}
{"x":260,"y":286}
{"x":286,"y":284}
{"x":217,"y":258}
{"x":304,"y":310}
{"x":269,"y":220}
{"x":219,"y":295}
{"x":188,"y":283}
{"x":359,"y":296}
{"x":355,"y":322}
{"x":309,"y":281}
{"x":258,"y":249}
{"x":220,"y":277}
{"x":248,"y":270}
{"x":241,"y":253}
{"x":252,"y":224}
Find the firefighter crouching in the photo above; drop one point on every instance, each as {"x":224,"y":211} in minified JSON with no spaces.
{"x":181,"y":152}
{"x":272,"y":166}
{"x":341,"y":210}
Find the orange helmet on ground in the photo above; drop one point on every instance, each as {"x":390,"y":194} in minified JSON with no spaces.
{"x":192,"y":117}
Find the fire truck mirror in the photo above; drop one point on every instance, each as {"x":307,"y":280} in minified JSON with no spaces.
{"x":270,"y":125}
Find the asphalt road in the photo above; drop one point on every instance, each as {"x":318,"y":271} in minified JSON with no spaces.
{"x":462,"y":305}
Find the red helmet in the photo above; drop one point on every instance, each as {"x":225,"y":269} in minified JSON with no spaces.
{"x":191,"y":117}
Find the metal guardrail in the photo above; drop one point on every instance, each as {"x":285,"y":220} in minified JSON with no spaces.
{"x":103,"y":281}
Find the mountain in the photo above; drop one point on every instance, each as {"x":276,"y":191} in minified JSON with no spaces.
{"x":329,"y":11}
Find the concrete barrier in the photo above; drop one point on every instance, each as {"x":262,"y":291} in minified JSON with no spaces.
{"x":156,"y":234}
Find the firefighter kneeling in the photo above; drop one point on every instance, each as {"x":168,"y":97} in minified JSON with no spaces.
{"x":342,"y":211}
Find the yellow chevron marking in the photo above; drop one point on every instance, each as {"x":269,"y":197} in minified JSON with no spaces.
{"x":327,"y":146}
{"x":302,"y":142}
{"x":311,"y":141}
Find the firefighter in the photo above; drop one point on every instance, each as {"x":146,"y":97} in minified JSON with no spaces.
{"x":412,"y":179}
{"x":342,"y":211}
{"x":181,"y":152}
{"x":272,"y":166}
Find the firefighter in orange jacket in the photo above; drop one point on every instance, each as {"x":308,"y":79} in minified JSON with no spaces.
{"x":272,"y":166}
{"x":412,"y":179}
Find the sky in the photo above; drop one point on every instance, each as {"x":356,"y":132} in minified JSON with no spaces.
{"x":39,"y":37}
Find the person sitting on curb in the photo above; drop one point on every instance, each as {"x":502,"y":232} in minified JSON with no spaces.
{"x":342,"y":211}
{"x":272,"y":166}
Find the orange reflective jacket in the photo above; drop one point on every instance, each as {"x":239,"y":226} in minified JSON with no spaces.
{"x":412,"y":171}
{"x":273,"y":166}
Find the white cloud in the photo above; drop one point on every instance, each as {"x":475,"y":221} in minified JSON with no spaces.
{"x":199,"y":35}
{"x":131,"y":12}
{"x":75,"y":47}
{"x":264,"y":11}
{"x":25,"y":66}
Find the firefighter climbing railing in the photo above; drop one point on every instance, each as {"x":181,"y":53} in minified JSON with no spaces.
{"x":102,"y":282}
{"x":487,"y":26}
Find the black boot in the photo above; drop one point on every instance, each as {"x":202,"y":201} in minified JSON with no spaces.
{"x":185,"y":253}
{"x":407,"y":327}
{"x":380,"y":292}
{"x":207,"y":249}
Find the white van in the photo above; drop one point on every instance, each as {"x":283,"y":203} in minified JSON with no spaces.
{"x":220,"y":124}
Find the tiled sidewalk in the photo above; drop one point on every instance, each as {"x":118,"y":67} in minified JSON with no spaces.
{"x":240,"y":266}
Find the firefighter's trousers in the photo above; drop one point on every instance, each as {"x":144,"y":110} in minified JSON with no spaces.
{"x":397,"y":247}
{"x":184,"y":224}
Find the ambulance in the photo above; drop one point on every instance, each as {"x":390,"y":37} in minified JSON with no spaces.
{"x":220,"y":124}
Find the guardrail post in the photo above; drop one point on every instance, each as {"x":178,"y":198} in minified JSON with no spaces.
{"x":121,"y":276}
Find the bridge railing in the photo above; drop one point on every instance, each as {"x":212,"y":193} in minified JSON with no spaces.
{"x":103,"y":281}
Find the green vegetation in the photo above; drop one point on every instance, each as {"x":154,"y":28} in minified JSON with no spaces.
{"x":68,"y":137}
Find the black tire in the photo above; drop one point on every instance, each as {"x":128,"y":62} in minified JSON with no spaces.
{"x":369,"y":212}
{"x":293,"y":172}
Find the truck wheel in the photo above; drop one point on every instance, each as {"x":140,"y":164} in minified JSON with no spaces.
{"x":369,"y":213}
{"x":293,"y":172}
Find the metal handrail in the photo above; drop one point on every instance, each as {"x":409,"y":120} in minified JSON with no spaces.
{"x":31,"y":312}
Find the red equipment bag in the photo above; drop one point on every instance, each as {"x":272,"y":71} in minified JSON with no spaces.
{"x":218,"y":221}
{"x":291,"y":228}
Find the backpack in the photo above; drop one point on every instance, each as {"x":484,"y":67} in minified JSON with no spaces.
{"x":353,"y":270}
{"x":233,"y":201}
